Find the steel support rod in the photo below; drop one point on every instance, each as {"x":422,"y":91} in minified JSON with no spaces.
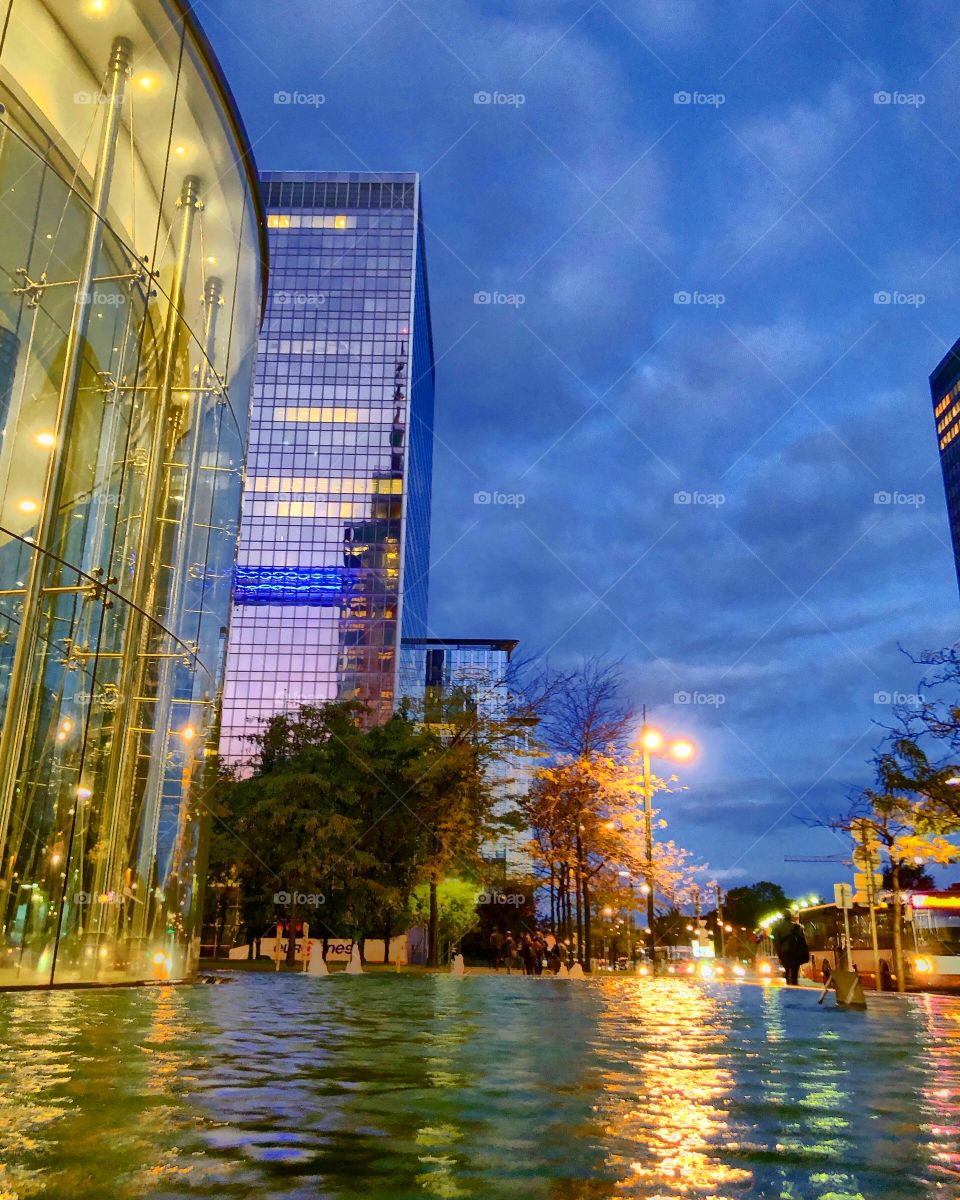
{"x":22,"y":670}
{"x":118,"y":790}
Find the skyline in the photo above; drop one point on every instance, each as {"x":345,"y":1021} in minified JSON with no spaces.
{"x":786,"y":409}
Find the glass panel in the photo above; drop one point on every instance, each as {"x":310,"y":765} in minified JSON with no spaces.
{"x":125,"y":365}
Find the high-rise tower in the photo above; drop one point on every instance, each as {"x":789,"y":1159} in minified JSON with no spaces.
{"x":335,"y":534}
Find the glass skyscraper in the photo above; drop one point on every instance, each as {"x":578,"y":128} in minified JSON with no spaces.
{"x":945,"y":391}
{"x":476,"y":670}
{"x":335,"y":532}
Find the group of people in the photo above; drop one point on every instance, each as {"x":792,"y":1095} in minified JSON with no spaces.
{"x":533,"y":953}
{"x":536,"y":952}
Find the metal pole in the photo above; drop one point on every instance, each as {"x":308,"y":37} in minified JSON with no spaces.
{"x":158,"y":768}
{"x":648,"y":829}
{"x":118,"y":790}
{"x":846,"y":934}
{"x":723,"y":945}
{"x":871,"y":900}
{"x":21,"y":672}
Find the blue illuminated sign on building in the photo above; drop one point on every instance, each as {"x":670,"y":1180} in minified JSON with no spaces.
{"x":324,"y":586}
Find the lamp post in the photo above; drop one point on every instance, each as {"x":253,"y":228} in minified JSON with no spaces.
{"x":652,"y":741}
{"x":723,"y":941}
{"x":626,"y":875}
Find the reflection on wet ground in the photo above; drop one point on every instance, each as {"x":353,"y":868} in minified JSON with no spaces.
{"x":404,"y":1086}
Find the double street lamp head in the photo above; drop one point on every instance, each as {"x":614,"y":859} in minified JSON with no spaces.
{"x":653,"y":741}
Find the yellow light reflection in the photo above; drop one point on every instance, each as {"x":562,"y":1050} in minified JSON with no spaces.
{"x":668,"y":1138}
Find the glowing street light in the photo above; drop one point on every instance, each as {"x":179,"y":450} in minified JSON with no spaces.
{"x":682,"y":749}
{"x":652,"y":741}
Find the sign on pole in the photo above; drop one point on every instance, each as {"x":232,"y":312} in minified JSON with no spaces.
{"x":843,"y":897}
{"x":866,"y":855}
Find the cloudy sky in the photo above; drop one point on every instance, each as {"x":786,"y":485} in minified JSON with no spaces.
{"x":720,"y":248}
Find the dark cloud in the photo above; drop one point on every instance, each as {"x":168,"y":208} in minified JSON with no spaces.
{"x":782,"y":400}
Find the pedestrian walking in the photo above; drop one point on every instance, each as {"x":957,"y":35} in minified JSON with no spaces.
{"x":539,"y":946}
{"x":509,"y":951}
{"x":792,"y":948}
{"x":496,"y":949}
{"x":526,"y":954}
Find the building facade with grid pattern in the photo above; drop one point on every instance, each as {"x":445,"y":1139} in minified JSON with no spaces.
{"x":336,"y":520}
{"x":945,"y":392}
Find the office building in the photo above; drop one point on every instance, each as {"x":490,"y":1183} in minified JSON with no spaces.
{"x":945,"y":391}
{"x":334,"y":548}
{"x":134,"y":260}
{"x":475,"y":672}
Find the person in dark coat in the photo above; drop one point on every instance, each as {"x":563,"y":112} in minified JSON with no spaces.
{"x":792,"y":948}
{"x":509,"y":951}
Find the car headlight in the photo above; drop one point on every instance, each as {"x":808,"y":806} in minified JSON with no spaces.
{"x":923,"y":966}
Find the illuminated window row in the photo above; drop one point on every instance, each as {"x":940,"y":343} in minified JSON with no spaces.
{"x":945,"y":421}
{"x":288,"y":221}
{"x":951,"y":395}
{"x":314,"y":508}
{"x":304,"y":413}
{"x":381,"y":348}
{"x":314,"y":486}
{"x":949,"y":436}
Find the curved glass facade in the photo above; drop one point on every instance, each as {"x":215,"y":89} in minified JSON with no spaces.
{"x":132,"y":264}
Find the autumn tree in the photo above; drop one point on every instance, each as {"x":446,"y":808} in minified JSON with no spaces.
{"x":894,"y":824}
{"x":589,"y":824}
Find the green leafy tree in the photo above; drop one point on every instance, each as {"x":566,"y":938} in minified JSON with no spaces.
{"x":914,"y":877}
{"x":297,"y":824}
{"x":472,"y":738}
{"x":456,"y":906}
{"x":749,"y":904}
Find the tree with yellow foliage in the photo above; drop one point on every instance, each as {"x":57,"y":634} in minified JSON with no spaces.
{"x":588,"y":819}
{"x":896,"y":825}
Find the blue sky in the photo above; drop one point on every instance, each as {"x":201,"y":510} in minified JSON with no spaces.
{"x":738,"y":494}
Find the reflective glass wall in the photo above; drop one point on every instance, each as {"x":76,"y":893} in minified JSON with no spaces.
{"x":131,"y":278}
{"x":336,"y":512}
{"x":438,"y":672}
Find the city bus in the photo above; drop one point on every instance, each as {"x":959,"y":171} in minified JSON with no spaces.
{"x":931,"y":940}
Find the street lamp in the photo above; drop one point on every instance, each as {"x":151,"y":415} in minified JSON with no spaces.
{"x":652,"y":741}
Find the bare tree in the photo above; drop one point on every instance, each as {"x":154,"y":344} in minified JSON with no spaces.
{"x":587,"y":713}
